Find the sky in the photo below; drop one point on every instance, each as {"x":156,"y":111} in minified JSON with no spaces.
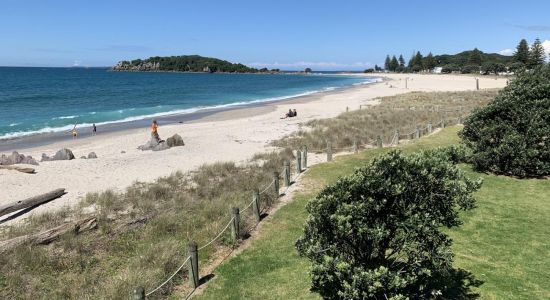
{"x":290,"y":35}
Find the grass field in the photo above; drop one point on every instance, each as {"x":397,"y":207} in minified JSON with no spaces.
{"x":504,"y":242}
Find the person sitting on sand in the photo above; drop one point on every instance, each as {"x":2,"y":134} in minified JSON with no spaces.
{"x":294,"y":113}
{"x":289,"y":114}
{"x":154,"y":131}
{"x":74,"y":132}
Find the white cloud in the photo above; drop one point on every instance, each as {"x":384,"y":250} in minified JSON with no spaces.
{"x":319,"y":66}
{"x":506,"y":52}
{"x":546,"y":45}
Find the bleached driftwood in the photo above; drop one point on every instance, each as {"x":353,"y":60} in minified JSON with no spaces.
{"x":20,"y":169}
{"x":49,"y":235}
{"x":29,"y":202}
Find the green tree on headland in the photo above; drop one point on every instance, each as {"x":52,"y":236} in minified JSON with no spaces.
{"x":537,"y":56}
{"x":429,"y":62}
{"x":522,"y":52}
{"x":475,"y":58}
{"x":307,"y":70}
{"x":401,"y":61}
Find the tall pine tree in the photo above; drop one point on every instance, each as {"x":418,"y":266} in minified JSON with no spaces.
{"x":394,"y":64}
{"x":537,"y":56}
{"x":401,"y":61}
{"x":417,"y":63}
{"x":387,"y":63}
{"x":429,"y":62}
{"x":522,"y":52}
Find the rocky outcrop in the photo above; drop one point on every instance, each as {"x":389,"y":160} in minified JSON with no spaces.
{"x":63,"y":154}
{"x":141,"y":66}
{"x":92,"y":155}
{"x":16,"y":158}
{"x":174,"y":141}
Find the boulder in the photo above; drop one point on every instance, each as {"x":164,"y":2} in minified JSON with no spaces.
{"x":83,"y":157}
{"x":29,"y":161}
{"x":122,"y":152}
{"x":149,"y":145}
{"x":15,"y":158}
{"x":92,"y":155}
{"x":45,"y":157}
{"x":161,"y":146}
{"x":175,"y":141}
{"x":3,"y":160}
{"x":63,"y":154}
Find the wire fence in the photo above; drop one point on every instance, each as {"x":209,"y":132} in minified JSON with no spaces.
{"x":301,"y":156}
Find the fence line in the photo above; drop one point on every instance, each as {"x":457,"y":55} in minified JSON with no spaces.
{"x":234,"y":222}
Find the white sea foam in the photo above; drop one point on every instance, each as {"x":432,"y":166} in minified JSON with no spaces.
{"x":18,"y":134}
{"x":65,"y":117}
{"x":14,"y":124}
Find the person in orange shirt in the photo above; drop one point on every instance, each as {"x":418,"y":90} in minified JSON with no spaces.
{"x":154,"y":131}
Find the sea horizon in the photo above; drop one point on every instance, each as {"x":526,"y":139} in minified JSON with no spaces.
{"x":38,"y":103}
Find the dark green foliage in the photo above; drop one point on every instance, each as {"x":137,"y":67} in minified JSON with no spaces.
{"x":493,"y":68}
{"x":475,"y":57}
{"x":387,"y":63}
{"x":522,"y":52}
{"x":512,"y":134}
{"x":371,"y":70}
{"x":307,"y":70}
{"x":537,"y":56}
{"x":469,"y":69}
{"x":376,"y":234}
{"x":401,"y":61}
{"x":429,"y":62}
{"x":394,"y":64}
{"x":191,"y":63}
{"x":464,"y":58}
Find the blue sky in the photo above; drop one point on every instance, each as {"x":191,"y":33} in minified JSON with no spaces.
{"x":323,"y":35}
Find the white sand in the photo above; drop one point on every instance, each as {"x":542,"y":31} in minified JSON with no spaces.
{"x":228,"y":136}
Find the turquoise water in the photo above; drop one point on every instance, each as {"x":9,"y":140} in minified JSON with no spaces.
{"x":40,"y":100}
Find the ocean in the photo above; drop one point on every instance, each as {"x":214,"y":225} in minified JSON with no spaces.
{"x":44,"y":100}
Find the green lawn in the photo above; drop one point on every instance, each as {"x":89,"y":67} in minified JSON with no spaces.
{"x":504,"y":241}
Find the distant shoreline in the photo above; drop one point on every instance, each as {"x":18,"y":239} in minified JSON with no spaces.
{"x":45,"y":139}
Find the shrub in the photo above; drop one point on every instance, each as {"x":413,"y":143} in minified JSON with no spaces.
{"x":511,"y":135}
{"x":375,"y":234}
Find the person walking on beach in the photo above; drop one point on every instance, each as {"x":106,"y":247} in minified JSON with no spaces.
{"x":74,"y":132}
{"x":94,"y":130}
{"x":154,"y":131}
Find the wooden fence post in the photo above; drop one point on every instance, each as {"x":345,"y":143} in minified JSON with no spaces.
{"x":298,"y":162}
{"x":138,"y":294}
{"x":256,"y":204}
{"x":287,"y":173}
{"x":276,"y":183}
{"x":429,"y":128}
{"x":329,"y":151}
{"x":304,"y":157}
{"x":477,"y":84}
{"x":355,"y":150}
{"x":347,"y":109}
{"x":193,"y":264}
{"x":417,"y":132}
{"x":459,"y":119}
{"x":235,"y":228}
{"x":379,"y":141}
{"x":442,"y":123}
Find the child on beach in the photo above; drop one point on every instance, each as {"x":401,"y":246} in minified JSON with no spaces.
{"x":94,"y":129}
{"x":74,"y":132}
{"x":154,"y":131}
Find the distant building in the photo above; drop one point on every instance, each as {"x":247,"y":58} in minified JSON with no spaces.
{"x":437,"y":70}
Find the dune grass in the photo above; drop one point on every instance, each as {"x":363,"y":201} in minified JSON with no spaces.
{"x":142,"y":234}
{"x":401,"y":112}
{"x":503,"y":242}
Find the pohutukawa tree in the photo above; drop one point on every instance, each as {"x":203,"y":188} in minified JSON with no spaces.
{"x":511,"y":135}
{"x":376,"y":234}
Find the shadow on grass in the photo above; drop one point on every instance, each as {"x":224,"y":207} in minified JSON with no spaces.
{"x":458,"y":285}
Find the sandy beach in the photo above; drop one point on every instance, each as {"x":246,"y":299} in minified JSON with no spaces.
{"x":233,"y":135}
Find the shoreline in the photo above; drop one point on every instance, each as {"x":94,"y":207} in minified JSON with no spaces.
{"x":34,"y":140}
{"x":229,"y":135}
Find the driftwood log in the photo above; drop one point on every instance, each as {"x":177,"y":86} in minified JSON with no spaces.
{"x":20,"y":169}
{"x":49,"y":235}
{"x":29,"y":202}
